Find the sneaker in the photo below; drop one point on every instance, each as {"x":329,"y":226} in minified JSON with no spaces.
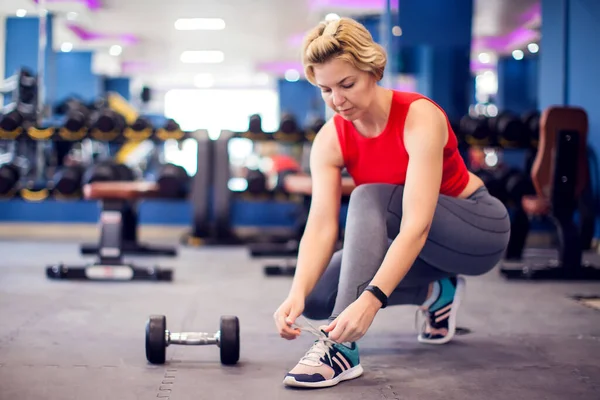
{"x":325,"y":364}
{"x":440,"y":310}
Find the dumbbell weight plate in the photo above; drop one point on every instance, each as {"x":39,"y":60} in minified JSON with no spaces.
{"x":156,"y":343}
{"x":230,"y":340}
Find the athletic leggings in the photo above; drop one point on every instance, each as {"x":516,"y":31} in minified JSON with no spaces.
{"x":467,"y":237}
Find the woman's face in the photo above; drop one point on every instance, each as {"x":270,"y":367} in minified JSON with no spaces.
{"x":346,"y":90}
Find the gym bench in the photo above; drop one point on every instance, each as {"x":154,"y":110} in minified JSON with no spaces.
{"x":118,"y":221}
{"x":560,"y":176}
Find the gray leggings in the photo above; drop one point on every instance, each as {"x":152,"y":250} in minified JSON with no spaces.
{"x":467,"y":237}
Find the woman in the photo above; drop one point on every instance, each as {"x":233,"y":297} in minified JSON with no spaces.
{"x":417,"y":219}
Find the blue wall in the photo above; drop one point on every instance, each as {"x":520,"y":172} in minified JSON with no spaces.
{"x":569,"y":59}
{"x":118,"y":85}
{"x":21,"y":45}
{"x":74,"y":76}
{"x":553,"y":54}
{"x":301,"y":99}
{"x":435,"y":22}
{"x":517,"y":84}
{"x":583,"y":74}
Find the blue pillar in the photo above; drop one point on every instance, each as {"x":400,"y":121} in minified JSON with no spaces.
{"x":118,"y":85}
{"x":74,"y":77}
{"x":438,"y":35}
{"x":22,"y":39}
{"x":300,"y":99}
{"x":517,"y":84}
{"x":569,"y":59}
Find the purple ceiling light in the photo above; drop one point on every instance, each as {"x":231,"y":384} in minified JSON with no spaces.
{"x":280,"y":67}
{"x":533,"y":15}
{"x":510,"y":42}
{"x":91,"y":4}
{"x":353,"y":4}
{"x":87,"y":35}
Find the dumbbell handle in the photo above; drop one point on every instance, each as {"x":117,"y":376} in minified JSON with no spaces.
{"x":191,"y":338}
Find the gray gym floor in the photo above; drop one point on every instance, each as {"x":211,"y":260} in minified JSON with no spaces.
{"x":85,"y":340}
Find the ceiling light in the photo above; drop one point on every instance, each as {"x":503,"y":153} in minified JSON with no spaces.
{"x":21,"y":12}
{"x":533,"y":47}
{"x":397,"y":31}
{"x":517,"y":54}
{"x":291,"y":75}
{"x":196,"y":24}
{"x":204,"y":81}
{"x":202,"y":57}
{"x":71,"y":16}
{"x":115,"y":50}
{"x":331,"y":17}
{"x":66,"y":47}
{"x":484,"y":58}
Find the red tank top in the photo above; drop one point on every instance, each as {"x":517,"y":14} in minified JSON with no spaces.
{"x":384,"y":159}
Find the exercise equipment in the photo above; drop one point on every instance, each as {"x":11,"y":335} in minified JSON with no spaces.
{"x":509,"y":130}
{"x":12,"y":122}
{"x":531,"y":122}
{"x":141,"y":129}
{"x":77,"y":117}
{"x":108,"y":171}
{"x":9,"y":179}
{"x":257,"y":182}
{"x":68,"y":181}
{"x":255,"y":124}
{"x":173,"y":181}
{"x":560,"y":176}
{"x":288,"y":129}
{"x":106,"y":124}
{"x":120,"y":200}
{"x":118,"y":234}
{"x":158,"y":337}
{"x":477,"y":131}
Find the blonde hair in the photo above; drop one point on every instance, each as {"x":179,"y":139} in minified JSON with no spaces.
{"x":343,"y":39}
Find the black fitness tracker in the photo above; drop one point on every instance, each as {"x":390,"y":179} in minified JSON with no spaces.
{"x":379,"y":294}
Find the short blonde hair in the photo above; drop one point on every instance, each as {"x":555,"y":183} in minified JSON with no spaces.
{"x":344,"y":39}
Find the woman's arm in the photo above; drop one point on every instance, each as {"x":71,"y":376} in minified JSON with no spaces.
{"x":321,"y":232}
{"x":425,"y":136}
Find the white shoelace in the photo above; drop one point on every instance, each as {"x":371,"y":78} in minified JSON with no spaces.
{"x":421,"y":320}
{"x":318,"y":350}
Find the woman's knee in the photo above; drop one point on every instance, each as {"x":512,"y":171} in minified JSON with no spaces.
{"x":373,"y":196}
{"x":318,"y":306}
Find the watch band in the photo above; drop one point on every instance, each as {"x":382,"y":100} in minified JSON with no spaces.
{"x":379,"y":294}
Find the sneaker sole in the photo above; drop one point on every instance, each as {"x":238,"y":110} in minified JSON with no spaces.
{"x":351,"y":373}
{"x":460,"y":290}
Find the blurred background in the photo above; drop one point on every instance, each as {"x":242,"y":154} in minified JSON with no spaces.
{"x":144,"y":84}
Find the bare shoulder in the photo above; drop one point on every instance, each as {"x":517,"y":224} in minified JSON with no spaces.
{"x":326,"y":146}
{"x":424,"y":111}
{"x":426,"y":118}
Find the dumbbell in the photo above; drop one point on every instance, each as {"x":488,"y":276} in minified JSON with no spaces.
{"x":476,"y":131}
{"x":67,"y":180}
{"x":255,"y":124}
{"x":158,"y":337}
{"x":9,"y":178}
{"x":257,"y":182}
{"x":173,"y":181}
{"x":11,"y":121}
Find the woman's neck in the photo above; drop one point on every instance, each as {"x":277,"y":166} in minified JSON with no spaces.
{"x":374,"y":120}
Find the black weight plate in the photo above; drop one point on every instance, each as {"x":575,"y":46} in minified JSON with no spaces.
{"x":230,"y":340}
{"x":156,"y":343}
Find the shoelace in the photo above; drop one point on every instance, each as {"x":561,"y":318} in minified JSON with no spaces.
{"x":421,"y":320}
{"x":318,"y":350}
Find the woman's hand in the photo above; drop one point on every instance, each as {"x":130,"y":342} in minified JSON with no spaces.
{"x":286,"y":315}
{"x":355,"y":320}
